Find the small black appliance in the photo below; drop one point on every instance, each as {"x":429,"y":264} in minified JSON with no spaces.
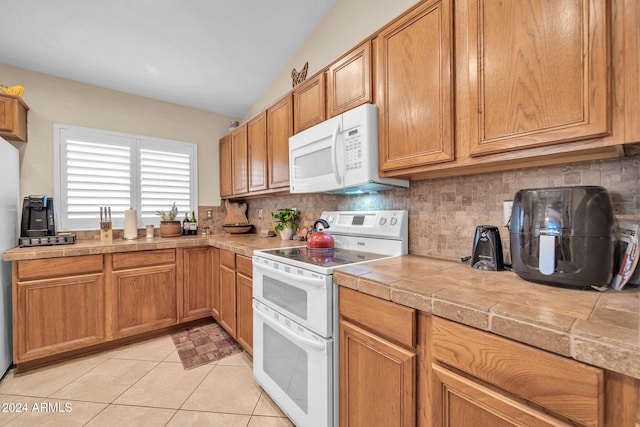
{"x":487,"y":249}
{"x":38,"y":226}
{"x":563,"y":236}
{"x":37,"y":217}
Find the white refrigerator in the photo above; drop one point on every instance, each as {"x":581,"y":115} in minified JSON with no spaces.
{"x":9,"y":234}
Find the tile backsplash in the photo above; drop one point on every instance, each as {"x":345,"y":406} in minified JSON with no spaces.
{"x":443,"y":213}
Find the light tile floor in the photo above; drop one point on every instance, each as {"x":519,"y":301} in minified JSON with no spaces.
{"x":142,"y":384}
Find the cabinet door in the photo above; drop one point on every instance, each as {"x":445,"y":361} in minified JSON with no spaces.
{"x":13,"y":118}
{"x":349,"y":81}
{"x":214,"y":260}
{"x":377,"y":380}
{"x":415,"y":88}
{"x":145,"y":299}
{"x":7,"y":115}
{"x":244,"y":313}
{"x":58,"y":315}
{"x":226,"y":178}
{"x":464,"y":402}
{"x":280,"y":128}
{"x":228,"y":300}
{"x":239,"y":160}
{"x":562,"y":386}
{"x":196,"y":283}
{"x":538,"y":73}
{"x":309,"y":103}
{"x":257,"y":152}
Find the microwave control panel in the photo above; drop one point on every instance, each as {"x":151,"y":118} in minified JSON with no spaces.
{"x":353,"y":149}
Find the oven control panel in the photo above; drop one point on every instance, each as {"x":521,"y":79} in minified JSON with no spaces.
{"x":384,"y":223}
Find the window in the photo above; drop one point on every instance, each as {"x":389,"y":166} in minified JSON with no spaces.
{"x":94,"y":168}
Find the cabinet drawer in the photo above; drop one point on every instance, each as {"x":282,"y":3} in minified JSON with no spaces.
{"x":54,"y":267}
{"x":245,"y":266}
{"x":128,"y":260}
{"x":228,"y":259}
{"x":562,"y":385}
{"x":391,"y":321}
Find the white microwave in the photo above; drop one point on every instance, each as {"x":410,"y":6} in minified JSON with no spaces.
{"x":339,"y":155}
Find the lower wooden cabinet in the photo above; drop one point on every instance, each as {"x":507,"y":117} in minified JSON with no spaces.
{"x":228,"y":291}
{"x":465,"y":402}
{"x":69,"y":303}
{"x":377,"y":380}
{"x":482,"y":379}
{"x":58,"y":305}
{"x":58,"y":315}
{"x":236,"y":293}
{"x":244,"y":303}
{"x":214,"y":260}
{"x":196,"y":283}
{"x":144,"y":299}
{"x":144,"y":291}
{"x":377,"y":368}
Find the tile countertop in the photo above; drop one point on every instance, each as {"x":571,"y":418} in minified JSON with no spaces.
{"x":602,"y":329}
{"x":598,"y":328}
{"x":243,"y":244}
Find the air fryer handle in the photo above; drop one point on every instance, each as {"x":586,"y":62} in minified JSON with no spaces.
{"x":547,"y":255}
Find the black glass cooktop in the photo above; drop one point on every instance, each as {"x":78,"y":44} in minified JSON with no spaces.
{"x":326,"y":258}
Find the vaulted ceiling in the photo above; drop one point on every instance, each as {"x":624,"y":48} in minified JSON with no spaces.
{"x":214,"y":55}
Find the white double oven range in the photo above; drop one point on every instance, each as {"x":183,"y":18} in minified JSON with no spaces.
{"x":295,"y":306}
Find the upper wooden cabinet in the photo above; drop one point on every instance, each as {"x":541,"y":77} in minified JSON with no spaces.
{"x":13,"y":118}
{"x":415,"y":88}
{"x":226,"y":177}
{"x":309,"y":103}
{"x":257,"y":152}
{"x":538,"y":73}
{"x":254,"y":158}
{"x":280,"y":128}
{"x":239,"y":156}
{"x":349,"y":81}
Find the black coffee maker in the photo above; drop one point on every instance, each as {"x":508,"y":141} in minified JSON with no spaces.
{"x":487,"y":249}
{"x":37,"y":217}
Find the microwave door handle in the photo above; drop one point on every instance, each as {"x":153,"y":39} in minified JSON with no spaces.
{"x":288,"y":332}
{"x":334,"y":145}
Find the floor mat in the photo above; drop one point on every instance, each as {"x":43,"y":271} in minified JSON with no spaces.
{"x":202,"y":344}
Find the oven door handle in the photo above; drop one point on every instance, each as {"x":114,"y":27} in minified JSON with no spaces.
{"x":288,"y":277}
{"x":287,"y":332}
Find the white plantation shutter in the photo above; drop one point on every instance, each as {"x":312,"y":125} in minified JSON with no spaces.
{"x":95,"y":168}
{"x":165,"y":177}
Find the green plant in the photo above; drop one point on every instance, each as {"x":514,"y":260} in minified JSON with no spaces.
{"x":285,"y":218}
{"x":169,"y":216}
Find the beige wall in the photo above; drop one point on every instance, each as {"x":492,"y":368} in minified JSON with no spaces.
{"x":344,"y":27}
{"x":55,"y":100}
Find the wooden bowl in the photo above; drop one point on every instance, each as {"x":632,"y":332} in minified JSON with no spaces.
{"x":237,"y":228}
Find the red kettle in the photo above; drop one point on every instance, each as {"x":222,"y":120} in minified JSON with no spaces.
{"x":320,"y":239}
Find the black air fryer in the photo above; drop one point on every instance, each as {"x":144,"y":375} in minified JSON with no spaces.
{"x":563,"y":236}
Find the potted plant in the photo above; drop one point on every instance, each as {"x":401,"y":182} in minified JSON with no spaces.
{"x":169,"y":226}
{"x":285,"y":222}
